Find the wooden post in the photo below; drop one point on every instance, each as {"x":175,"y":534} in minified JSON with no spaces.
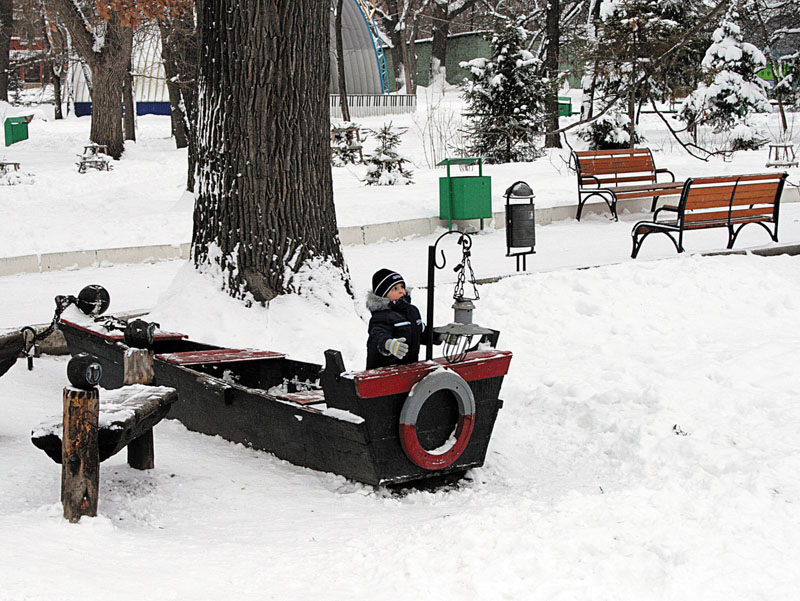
{"x":138,"y":369}
{"x":80,"y":458}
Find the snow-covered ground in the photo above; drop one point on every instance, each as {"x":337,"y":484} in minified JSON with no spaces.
{"x":647,"y":447}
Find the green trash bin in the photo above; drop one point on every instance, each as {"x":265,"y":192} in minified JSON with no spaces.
{"x":564,"y":106}
{"x":464,"y":196}
{"x":16,"y":129}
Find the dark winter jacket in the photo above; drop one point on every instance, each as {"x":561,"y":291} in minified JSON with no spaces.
{"x":393,"y":319}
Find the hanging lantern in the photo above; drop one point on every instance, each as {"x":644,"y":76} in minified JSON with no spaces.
{"x":462,"y":335}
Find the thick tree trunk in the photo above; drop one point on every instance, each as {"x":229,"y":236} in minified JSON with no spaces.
{"x":552,"y":140}
{"x":337,"y":26}
{"x":265,"y":195}
{"x":6,"y":29}
{"x":107,"y":76}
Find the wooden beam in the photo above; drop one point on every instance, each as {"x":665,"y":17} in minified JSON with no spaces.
{"x":80,"y":461}
{"x":138,"y":369}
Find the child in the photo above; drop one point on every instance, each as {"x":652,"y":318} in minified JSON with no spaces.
{"x":395,"y":328}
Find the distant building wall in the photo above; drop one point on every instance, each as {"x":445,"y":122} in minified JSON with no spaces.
{"x":460,"y":47}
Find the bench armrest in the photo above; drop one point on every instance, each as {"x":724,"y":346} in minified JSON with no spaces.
{"x":670,"y":208}
{"x":672,"y":175}
{"x":582,"y":183}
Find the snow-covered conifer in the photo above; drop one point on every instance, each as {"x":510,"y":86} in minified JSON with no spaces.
{"x":386,"y":167}
{"x":504,"y":95}
{"x":732,"y":90}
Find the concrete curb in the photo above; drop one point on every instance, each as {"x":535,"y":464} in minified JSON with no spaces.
{"x":351,"y":235}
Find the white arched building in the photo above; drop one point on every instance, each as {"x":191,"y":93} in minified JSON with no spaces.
{"x":365,"y":67}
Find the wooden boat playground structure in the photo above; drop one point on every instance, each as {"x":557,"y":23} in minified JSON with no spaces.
{"x":428,"y":421}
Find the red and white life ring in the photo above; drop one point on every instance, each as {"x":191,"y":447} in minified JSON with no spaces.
{"x":421,"y":392}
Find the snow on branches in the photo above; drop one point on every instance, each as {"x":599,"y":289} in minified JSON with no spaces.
{"x":505,"y":98}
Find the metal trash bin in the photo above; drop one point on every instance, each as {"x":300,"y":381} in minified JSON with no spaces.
{"x":520,"y":222}
{"x":16,"y":129}
{"x":465,"y":196}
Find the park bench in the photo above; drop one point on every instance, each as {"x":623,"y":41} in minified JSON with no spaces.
{"x":127,"y":415}
{"x":614,"y":175}
{"x":94,"y":156}
{"x":7,"y":166}
{"x":347,"y":140}
{"x":730,"y":202}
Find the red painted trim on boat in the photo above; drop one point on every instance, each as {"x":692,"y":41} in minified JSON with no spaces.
{"x":224,"y":355}
{"x":417,"y":454}
{"x":117,"y":336}
{"x":399,"y":379}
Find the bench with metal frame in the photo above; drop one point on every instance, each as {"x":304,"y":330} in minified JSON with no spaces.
{"x":614,"y":175}
{"x":7,"y":166}
{"x":94,"y":156}
{"x":730,"y":201}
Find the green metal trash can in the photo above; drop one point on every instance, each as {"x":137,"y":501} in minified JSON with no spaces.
{"x":465,"y":196}
{"x":16,"y":129}
{"x":564,"y":106}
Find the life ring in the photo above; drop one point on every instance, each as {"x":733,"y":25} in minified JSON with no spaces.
{"x":421,"y":392}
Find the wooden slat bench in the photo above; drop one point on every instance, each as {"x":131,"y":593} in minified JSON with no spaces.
{"x":7,"y":166}
{"x":125,"y":414}
{"x":730,"y":201}
{"x":614,"y":175}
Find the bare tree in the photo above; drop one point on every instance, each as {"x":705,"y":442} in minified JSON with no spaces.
{"x":442,"y":13}
{"x":106,"y":46}
{"x":264,"y":208}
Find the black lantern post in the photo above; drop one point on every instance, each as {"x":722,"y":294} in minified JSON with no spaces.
{"x":457,"y":336}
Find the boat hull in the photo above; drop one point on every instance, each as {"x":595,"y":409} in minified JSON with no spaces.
{"x":323,"y":418}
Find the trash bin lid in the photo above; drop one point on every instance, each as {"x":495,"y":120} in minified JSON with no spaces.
{"x":461,"y":161}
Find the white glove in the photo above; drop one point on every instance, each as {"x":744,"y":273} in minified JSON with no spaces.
{"x":397,"y":347}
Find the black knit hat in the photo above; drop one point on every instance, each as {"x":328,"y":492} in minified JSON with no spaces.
{"x":384,"y":280}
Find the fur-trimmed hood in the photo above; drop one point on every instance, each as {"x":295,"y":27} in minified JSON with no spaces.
{"x":380,"y":303}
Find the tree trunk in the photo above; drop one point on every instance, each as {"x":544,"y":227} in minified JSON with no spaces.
{"x":55,"y":74}
{"x":6,"y":29}
{"x":441,"y":29}
{"x":129,"y":106}
{"x":340,"y":62}
{"x":553,"y":32}
{"x":108,"y":76}
{"x":264,"y":188}
{"x":179,"y":52}
{"x":108,"y":56}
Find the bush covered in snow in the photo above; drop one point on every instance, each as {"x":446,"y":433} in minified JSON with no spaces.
{"x":504,"y":98}
{"x":609,"y":131}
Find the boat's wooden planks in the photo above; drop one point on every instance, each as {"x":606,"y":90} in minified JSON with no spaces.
{"x":226,"y":355}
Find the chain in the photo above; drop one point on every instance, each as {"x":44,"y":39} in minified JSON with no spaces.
{"x":463,"y":268}
{"x":62,"y":302}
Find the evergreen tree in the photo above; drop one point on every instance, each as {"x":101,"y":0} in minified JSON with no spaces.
{"x":385,"y":166}
{"x":505,"y":96}
{"x":733,"y":91}
{"x":632,"y":34}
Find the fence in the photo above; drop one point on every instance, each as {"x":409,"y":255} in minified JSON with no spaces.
{"x":372,"y":105}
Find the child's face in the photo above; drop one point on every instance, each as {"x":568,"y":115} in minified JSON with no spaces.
{"x":397,"y":291}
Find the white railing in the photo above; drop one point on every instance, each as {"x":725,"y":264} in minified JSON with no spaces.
{"x":374,"y":105}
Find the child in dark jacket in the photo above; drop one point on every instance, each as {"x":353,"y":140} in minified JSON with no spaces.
{"x":396,"y":329}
